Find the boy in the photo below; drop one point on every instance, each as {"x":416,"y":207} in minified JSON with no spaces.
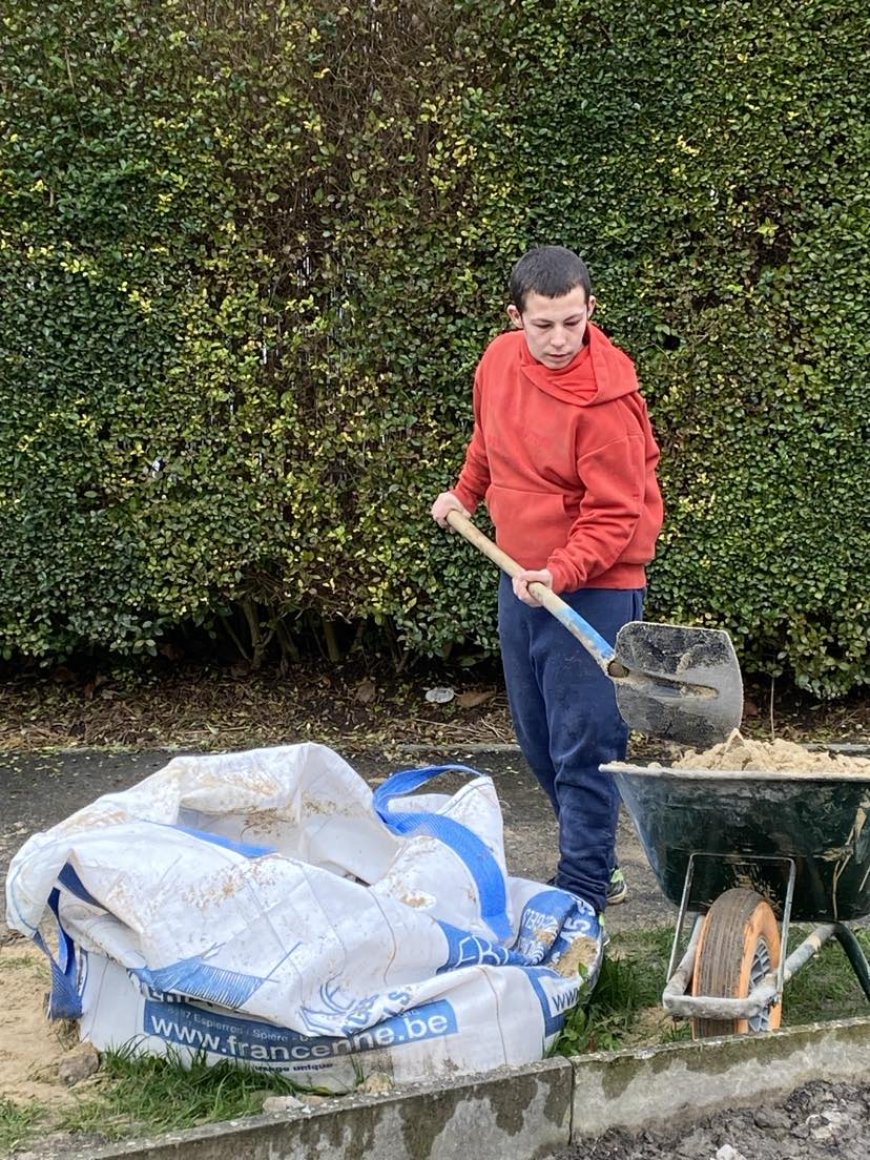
{"x":564,"y":455}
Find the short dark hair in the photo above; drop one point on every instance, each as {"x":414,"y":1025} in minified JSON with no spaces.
{"x":552,"y":271}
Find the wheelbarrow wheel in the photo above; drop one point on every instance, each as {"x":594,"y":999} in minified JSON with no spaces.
{"x":739,"y":944}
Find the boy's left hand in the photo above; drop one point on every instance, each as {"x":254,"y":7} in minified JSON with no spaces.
{"x":521,"y":584}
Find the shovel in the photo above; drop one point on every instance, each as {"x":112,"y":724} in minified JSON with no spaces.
{"x":672,"y":681}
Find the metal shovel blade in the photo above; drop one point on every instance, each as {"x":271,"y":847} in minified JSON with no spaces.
{"x":680,"y":683}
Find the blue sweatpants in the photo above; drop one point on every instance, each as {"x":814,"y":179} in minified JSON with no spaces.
{"x":567,"y":724}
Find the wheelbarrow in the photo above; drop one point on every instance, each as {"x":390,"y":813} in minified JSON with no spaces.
{"x":746,"y":853}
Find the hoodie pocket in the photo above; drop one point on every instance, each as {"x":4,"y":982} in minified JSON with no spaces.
{"x":529,"y":525}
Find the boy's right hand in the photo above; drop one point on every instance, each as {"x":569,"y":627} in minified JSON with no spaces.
{"x":447,"y":502}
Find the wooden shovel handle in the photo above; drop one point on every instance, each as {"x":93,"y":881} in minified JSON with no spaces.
{"x":595,"y":644}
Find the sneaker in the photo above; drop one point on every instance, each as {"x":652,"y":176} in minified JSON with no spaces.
{"x":617,"y":891}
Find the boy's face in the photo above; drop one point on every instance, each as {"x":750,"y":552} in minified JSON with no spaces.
{"x":554,"y":327}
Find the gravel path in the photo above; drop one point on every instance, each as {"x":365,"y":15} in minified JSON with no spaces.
{"x":817,"y":1122}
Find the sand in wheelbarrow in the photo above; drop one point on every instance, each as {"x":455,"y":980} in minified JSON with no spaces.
{"x":739,"y":753}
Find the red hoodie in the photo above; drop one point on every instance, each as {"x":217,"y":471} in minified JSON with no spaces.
{"x":566,"y":461}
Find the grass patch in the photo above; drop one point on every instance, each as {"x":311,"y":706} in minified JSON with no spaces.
{"x":146,"y":1096}
{"x":625,"y":1007}
{"x":826,"y":988}
{"x":150,"y":1094}
{"x":18,"y":1124}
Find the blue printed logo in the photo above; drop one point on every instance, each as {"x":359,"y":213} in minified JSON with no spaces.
{"x":257,"y":1042}
{"x":555,"y":994}
{"x":468,"y":950}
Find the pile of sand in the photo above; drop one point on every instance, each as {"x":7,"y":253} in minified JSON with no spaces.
{"x":737,"y":753}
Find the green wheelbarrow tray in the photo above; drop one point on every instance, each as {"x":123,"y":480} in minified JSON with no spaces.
{"x":800,"y":841}
{"x":750,"y":824}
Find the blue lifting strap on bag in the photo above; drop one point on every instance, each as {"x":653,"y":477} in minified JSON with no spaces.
{"x":64,"y":1001}
{"x":473,"y":851}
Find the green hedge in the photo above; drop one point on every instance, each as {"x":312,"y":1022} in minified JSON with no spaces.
{"x":249,"y":255}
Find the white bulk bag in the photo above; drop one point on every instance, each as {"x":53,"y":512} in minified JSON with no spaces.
{"x":267,"y":907}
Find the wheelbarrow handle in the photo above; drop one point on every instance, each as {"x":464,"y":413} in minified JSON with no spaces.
{"x":592,"y":641}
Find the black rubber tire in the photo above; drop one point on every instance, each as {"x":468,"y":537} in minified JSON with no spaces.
{"x":739,"y":943}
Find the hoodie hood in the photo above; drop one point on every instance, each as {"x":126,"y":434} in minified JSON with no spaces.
{"x":598,"y":374}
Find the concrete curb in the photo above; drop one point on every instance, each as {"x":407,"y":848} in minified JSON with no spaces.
{"x":518,"y":1113}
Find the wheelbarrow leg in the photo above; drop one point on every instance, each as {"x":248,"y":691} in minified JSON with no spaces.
{"x":855,"y":954}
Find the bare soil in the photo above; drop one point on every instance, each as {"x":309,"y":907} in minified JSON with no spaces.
{"x":819,"y":1121}
{"x":351,"y":704}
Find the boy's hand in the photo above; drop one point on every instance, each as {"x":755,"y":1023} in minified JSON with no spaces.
{"x":447,"y":502}
{"x":521,"y":584}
